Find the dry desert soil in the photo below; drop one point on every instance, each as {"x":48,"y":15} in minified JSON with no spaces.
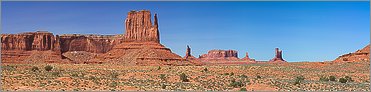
{"x":297,"y":76}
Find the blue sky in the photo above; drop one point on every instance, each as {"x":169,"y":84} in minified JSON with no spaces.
{"x":305,"y":31}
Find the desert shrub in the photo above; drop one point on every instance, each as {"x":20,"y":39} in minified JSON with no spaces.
{"x":163,"y":86}
{"x":332,"y":78}
{"x":162,"y":77}
{"x":159,"y":68}
{"x":55,"y":74}
{"x":48,"y":68}
{"x":113,"y":84}
{"x":91,"y":77}
{"x":349,"y":79}
{"x":243,"y":89}
{"x":114,"y":75}
{"x":183,"y":77}
{"x":75,"y":75}
{"x":343,"y":80}
{"x":298,"y":79}
{"x":226,"y":73}
{"x":243,"y":76}
{"x":236,"y":84}
{"x":258,"y":76}
{"x":324,"y":78}
{"x":231,"y":74}
{"x":205,"y":70}
{"x":34,"y":69}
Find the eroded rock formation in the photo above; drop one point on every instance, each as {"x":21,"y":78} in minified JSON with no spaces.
{"x":359,"y":55}
{"x":247,"y":58}
{"x":141,"y":44}
{"x":19,"y":47}
{"x":139,"y":27}
{"x":278,"y":57}
{"x":220,"y":55}
{"x":88,"y":43}
{"x":188,"y":54}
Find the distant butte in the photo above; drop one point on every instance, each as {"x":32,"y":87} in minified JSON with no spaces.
{"x":278,"y":57}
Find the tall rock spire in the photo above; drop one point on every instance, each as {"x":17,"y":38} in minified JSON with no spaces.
{"x":139,"y":28}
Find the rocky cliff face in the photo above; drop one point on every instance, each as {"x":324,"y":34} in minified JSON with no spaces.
{"x":139,"y":27}
{"x":359,"y":55}
{"x":88,"y":43}
{"x":278,"y":57}
{"x":18,"y":47}
{"x":220,"y":55}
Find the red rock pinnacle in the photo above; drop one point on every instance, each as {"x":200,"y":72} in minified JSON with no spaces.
{"x":278,"y":56}
{"x":139,"y":27}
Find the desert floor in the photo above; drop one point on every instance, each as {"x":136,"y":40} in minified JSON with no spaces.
{"x":301,"y":76}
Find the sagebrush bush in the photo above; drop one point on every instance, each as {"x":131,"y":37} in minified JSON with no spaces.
{"x":48,"y":68}
{"x":332,"y":78}
{"x":34,"y":69}
{"x":343,"y":80}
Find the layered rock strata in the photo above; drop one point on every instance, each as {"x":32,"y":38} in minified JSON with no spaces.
{"x":220,"y":55}
{"x":19,"y":47}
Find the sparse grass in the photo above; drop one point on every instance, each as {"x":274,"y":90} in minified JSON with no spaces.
{"x":243,"y":89}
{"x":56,"y":74}
{"x":162,"y":77}
{"x":183,"y":77}
{"x":236,"y":84}
{"x":298,"y":80}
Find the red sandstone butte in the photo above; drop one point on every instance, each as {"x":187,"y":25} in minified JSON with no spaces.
{"x":359,"y":55}
{"x":220,"y":55}
{"x":30,"y":46}
{"x":141,"y":44}
{"x":278,"y":57}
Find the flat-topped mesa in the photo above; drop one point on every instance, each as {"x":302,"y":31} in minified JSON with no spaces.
{"x":359,"y":55}
{"x":22,"y":46}
{"x":277,"y":57}
{"x":220,"y":55}
{"x":139,"y":28}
